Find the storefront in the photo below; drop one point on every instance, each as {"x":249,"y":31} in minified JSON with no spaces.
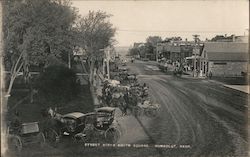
{"x":198,"y":66}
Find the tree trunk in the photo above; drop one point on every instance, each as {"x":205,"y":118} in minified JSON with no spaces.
{"x":91,"y":75}
{"x":13,"y":77}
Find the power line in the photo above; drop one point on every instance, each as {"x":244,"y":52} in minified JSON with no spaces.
{"x":176,"y":31}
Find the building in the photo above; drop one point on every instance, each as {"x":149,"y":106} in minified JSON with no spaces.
{"x":137,"y":45}
{"x":232,"y":38}
{"x":228,"y":59}
{"x":176,"y":50}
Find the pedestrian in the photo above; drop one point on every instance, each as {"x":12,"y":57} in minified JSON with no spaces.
{"x":144,"y":90}
{"x":210,"y":74}
{"x":109,"y":98}
{"x":126,"y":101}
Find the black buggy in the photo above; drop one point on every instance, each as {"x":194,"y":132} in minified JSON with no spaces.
{"x":79,"y":126}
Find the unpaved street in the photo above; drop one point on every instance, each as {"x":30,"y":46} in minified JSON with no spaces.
{"x":205,"y":116}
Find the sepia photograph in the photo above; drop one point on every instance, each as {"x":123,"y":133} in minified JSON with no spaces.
{"x":128,"y":78}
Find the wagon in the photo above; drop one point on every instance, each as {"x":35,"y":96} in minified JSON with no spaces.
{"x":77,"y":126}
{"x":105,"y":122}
{"x":64,"y":125}
{"x":178,"y":71}
{"x":132,"y":77}
{"x":146,"y":108}
{"x":26,"y":134}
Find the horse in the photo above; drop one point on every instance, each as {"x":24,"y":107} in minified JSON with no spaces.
{"x":53,"y":121}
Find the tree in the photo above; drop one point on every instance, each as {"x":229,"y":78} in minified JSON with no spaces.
{"x":173,"y":39}
{"x":36,"y":32}
{"x":134,"y":51}
{"x":150,"y":45}
{"x":57,"y":85}
{"x":153,"y":40}
{"x":96,"y":33}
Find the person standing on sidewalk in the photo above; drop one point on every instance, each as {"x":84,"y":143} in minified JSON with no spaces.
{"x":210,"y":74}
{"x":109,"y":98}
{"x":126,"y":100}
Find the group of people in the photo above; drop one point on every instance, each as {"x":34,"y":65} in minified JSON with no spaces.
{"x":132,"y":97}
{"x":125,"y":99}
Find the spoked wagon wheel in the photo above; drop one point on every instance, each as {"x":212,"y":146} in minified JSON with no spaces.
{"x":52,"y":137}
{"x":41,"y":139}
{"x":112,"y":135}
{"x":15,"y":144}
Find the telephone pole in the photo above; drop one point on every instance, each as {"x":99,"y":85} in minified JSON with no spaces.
{"x":108,"y":58}
{"x":196,"y":41}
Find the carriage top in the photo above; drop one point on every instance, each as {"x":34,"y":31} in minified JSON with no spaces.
{"x":105,"y":109}
{"x":74,"y":115}
{"x":30,"y":128}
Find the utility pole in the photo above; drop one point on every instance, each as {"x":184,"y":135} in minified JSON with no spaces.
{"x":108,"y":59}
{"x":156,"y":53}
{"x":196,"y":38}
{"x":103,"y":66}
{"x":69,"y":61}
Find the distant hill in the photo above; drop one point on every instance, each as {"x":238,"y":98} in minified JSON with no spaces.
{"x":122,"y":50}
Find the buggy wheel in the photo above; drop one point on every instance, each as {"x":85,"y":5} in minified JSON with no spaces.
{"x":112,"y":135}
{"x":41,"y":139}
{"x":15,"y":144}
{"x":79,"y":138}
{"x":52,"y":137}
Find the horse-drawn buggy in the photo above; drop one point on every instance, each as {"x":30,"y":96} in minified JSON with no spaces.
{"x":146,"y":108}
{"x":106,"y":124}
{"x":98,"y":125}
{"x":178,"y":71}
{"x":26,"y":134}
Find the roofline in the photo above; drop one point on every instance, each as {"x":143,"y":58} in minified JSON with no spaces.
{"x":219,"y":42}
{"x":229,"y":60}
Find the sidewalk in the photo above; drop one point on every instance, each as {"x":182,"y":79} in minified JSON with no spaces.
{"x":192,"y":77}
{"x":97,"y":90}
{"x":131,"y":129}
{"x":242,"y":88}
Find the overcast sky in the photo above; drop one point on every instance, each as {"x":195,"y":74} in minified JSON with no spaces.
{"x":136,"y":20}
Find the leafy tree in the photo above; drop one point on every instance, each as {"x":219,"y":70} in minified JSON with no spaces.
{"x":134,"y":51}
{"x":96,"y":32}
{"x":173,"y":39}
{"x":153,"y":40}
{"x":150,"y":45}
{"x":57,"y":85}
{"x":36,"y":32}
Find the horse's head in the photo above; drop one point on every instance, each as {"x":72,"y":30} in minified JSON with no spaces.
{"x":54,"y":115}
{"x":51,"y":112}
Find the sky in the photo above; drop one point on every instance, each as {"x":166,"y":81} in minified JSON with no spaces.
{"x":136,"y":20}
